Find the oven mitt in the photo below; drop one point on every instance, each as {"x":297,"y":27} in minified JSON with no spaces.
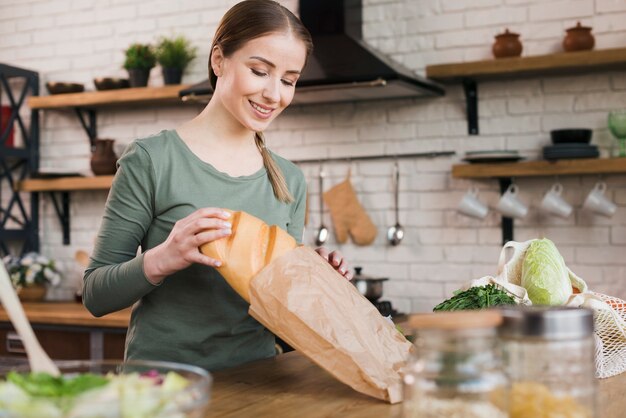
{"x":348,"y":215}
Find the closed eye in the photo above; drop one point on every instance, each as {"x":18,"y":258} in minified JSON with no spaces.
{"x":259,"y":73}
{"x":288,"y":82}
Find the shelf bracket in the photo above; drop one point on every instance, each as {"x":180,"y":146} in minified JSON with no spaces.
{"x":89,"y":125}
{"x":63,"y":212}
{"x":507,"y":223}
{"x":471,"y":103}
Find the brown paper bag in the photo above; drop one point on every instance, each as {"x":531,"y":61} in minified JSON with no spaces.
{"x":304,"y":301}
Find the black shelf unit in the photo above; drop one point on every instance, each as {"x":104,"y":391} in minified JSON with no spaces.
{"x":19,"y":225}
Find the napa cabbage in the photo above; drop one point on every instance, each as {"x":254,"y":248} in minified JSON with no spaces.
{"x":544,"y":274}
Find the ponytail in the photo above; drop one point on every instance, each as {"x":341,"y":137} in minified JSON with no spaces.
{"x":281,"y":191}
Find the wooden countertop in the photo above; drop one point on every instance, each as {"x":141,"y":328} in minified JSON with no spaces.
{"x":290,"y":385}
{"x":69,"y":313}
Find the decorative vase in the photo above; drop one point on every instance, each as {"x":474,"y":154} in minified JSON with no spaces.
{"x":578,"y":38}
{"x":172,"y":75}
{"x":138,"y":77}
{"x":103,"y":157}
{"x":35,"y":293}
{"x":507,"y":44}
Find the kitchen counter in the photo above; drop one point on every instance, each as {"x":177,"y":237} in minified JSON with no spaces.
{"x":290,"y":385}
{"x":69,"y":313}
{"x":67,"y":330}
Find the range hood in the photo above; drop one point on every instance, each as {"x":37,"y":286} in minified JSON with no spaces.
{"x":343,"y":67}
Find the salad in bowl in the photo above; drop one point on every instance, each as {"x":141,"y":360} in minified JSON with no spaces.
{"x":107,"y":389}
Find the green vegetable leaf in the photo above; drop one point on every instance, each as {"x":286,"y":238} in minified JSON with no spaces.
{"x":479,"y":297}
{"x":46,"y":385}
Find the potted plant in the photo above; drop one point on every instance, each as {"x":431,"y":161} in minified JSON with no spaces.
{"x":140,"y":59}
{"x":31,"y":274}
{"x":174,"y":54}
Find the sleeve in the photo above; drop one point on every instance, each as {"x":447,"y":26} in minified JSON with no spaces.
{"x":115,"y":278}
{"x":296,"y":226}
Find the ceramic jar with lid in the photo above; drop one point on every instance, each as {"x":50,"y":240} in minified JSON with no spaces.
{"x":456,"y":369}
{"x":507,"y":44}
{"x":549,"y":358}
{"x":578,"y":38}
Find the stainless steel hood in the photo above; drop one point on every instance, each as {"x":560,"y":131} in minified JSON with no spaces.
{"x":343,"y":67}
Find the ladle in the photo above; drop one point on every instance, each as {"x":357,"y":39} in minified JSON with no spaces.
{"x":37,"y":357}
{"x":322,"y":232}
{"x":396,"y":233}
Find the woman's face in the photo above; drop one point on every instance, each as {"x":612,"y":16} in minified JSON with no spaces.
{"x":257,"y":82}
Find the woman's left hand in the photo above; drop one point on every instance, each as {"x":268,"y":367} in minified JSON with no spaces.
{"x":336,"y":260}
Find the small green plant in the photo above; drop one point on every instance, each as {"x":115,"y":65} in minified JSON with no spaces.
{"x":175,"y":52}
{"x":140,"y":56}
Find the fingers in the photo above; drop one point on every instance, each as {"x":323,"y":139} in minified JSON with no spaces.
{"x":204,"y":213}
{"x":209,"y":235}
{"x":336,"y":260}
{"x":198,"y":257}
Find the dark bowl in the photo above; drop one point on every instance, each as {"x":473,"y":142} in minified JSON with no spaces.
{"x":55,"y":87}
{"x":109,"y":83}
{"x":568,"y":136}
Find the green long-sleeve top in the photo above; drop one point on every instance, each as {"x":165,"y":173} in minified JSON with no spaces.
{"x":194,"y":316}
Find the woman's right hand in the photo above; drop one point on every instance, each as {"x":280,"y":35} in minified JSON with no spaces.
{"x":181,"y":248}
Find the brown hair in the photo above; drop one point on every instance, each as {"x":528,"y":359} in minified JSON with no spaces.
{"x":245,"y":21}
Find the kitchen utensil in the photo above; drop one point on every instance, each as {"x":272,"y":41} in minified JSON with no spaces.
{"x":597,"y":202}
{"x":578,"y":38}
{"x":470,"y":205}
{"x":509,"y":205}
{"x":507,"y":44}
{"x":617,"y":126}
{"x":64,"y":88}
{"x":569,"y":136}
{"x":37,"y":357}
{"x":492,"y":156}
{"x":322,"y":232}
{"x":370,"y":287}
{"x":567,"y":151}
{"x":396,"y":233}
{"x":110,"y":83}
{"x":553,"y":203}
{"x":143,"y":381}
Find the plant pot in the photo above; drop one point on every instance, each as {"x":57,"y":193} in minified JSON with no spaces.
{"x":35,"y":293}
{"x":172,"y":75}
{"x":578,"y":38}
{"x":103,"y":158}
{"x":138,"y":77}
{"x":507,"y":45}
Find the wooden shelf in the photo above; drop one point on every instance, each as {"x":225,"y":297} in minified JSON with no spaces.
{"x":64,"y":184}
{"x":541,"y":168}
{"x":92,"y":99}
{"x":559,"y":63}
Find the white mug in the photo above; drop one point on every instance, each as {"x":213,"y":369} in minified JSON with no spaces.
{"x":597,"y":202}
{"x":470,"y":205}
{"x":509,"y":205}
{"x":553,"y":202}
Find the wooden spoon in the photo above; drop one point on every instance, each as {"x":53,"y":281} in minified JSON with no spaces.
{"x":37,"y":357}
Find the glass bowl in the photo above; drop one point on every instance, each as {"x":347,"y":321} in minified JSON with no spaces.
{"x":140,"y":389}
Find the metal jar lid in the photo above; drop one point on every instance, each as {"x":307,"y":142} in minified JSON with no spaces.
{"x":547,"y":323}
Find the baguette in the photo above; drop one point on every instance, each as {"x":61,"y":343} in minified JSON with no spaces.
{"x":251,"y":246}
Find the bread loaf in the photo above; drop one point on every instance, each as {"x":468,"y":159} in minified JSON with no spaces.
{"x":251,"y":246}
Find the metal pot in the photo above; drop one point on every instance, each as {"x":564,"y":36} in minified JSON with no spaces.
{"x":370,"y":287}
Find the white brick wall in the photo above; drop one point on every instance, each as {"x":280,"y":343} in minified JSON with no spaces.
{"x":77,"y":41}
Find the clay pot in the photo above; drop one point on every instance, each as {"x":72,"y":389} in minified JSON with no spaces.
{"x":578,"y":38}
{"x":35,"y":293}
{"x":103,"y":157}
{"x":507,"y":44}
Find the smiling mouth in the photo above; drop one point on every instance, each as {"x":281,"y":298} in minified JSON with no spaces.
{"x":260,"y":109}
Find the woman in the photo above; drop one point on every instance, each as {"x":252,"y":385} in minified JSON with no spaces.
{"x":169,"y":191}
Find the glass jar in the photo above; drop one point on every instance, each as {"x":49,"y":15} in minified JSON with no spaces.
{"x":549,"y":358}
{"x":456,"y":369}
